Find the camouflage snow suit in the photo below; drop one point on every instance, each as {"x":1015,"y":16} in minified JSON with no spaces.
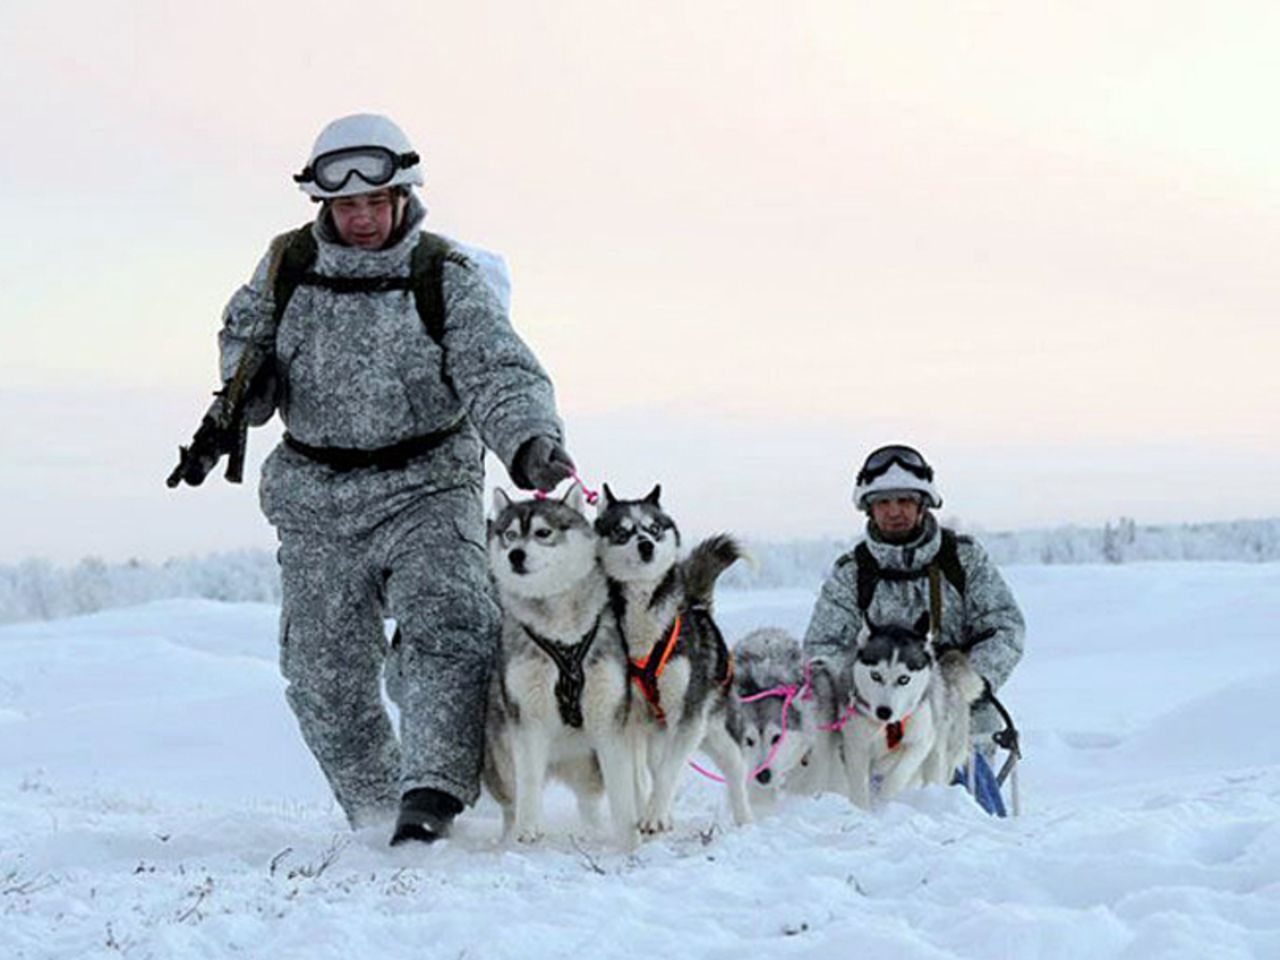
{"x":359,"y":371}
{"x":987,"y":605}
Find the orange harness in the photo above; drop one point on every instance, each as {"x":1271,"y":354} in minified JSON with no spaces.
{"x":647,"y":671}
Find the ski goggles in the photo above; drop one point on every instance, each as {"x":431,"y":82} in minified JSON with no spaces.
{"x":908,"y":458}
{"x":374,"y":165}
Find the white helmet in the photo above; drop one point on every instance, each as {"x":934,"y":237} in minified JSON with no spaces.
{"x":895,"y":469}
{"x":357,"y":154}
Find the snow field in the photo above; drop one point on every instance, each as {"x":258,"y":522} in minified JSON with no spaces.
{"x":156,"y":801}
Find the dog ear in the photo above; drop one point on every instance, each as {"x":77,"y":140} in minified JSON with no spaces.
{"x":654,"y":495}
{"x":575,"y":500}
{"x":607,"y":501}
{"x":500,"y":500}
{"x":922,"y":624}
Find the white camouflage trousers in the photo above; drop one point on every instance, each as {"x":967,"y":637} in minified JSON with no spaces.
{"x":426,"y":567}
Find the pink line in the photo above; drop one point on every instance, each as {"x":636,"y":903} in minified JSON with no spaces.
{"x":788,"y":693}
{"x":591,"y":495}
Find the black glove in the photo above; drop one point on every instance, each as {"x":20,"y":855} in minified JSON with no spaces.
{"x":540,"y":464}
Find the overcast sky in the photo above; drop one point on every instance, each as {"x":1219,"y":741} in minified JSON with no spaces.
{"x":750,"y":241}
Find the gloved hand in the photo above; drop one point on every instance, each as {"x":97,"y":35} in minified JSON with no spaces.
{"x":540,"y":464}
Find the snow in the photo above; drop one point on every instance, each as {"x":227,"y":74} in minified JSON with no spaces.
{"x":156,"y":801}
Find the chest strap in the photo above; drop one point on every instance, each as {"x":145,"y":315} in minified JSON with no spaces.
{"x":570,"y":679}
{"x":646,"y":672}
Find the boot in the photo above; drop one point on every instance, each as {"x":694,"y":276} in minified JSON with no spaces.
{"x":425,"y":815}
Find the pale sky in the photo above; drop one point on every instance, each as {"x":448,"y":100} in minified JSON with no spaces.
{"x":749,"y":241}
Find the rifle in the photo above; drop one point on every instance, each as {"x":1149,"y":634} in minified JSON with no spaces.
{"x":223,"y":428}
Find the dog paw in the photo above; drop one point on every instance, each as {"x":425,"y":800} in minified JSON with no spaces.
{"x":528,"y":835}
{"x":651,"y":826}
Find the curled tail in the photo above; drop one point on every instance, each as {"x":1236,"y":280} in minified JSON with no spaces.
{"x":712,"y":557}
{"x":961,"y":679}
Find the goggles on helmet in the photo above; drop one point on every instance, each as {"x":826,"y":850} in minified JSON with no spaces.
{"x":374,"y":165}
{"x":908,"y":458}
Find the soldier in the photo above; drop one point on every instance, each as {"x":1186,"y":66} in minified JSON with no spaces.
{"x":887,"y":576}
{"x":391,"y":361}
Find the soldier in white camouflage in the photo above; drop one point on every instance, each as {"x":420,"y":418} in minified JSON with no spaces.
{"x":886,"y":577}
{"x":393,"y":365}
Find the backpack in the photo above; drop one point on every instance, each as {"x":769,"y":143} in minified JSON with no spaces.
{"x":293,"y":256}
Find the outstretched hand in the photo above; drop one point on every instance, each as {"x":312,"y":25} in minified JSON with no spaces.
{"x":541,"y":464}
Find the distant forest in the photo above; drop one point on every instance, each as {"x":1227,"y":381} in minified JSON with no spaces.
{"x":39,"y":590}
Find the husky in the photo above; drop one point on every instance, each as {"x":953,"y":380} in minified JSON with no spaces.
{"x":907,"y":722}
{"x":558,"y":700}
{"x":770,"y":680}
{"x":680,"y":666}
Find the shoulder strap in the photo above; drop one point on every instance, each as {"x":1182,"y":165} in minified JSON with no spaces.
{"x":426,"y":271}
{"x":292,"y":256}
{"x":868,"y":575}
{"x":948,"y":561}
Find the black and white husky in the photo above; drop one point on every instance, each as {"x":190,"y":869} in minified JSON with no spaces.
{"x":680,"y":667}
{"x":558,"y":700}
{"x":907,"y":719}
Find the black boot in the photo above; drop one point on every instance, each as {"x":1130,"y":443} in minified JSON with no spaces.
{"x":425,"y":815}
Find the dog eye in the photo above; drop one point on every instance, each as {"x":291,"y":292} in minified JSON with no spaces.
{"x":776,"y":738}
{"x":903,"y":681}
{"x":508,"y":536}
{"x":542,"y":534}
{"x":654,"y":530}
{"x":877,"y":677}
{"x":751,"y":741}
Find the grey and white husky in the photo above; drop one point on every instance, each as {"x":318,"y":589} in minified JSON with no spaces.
{"x":558,"y":699}
{"x":907,"y":722}
{"x":791,"y":753}
{"x":680,"y":666}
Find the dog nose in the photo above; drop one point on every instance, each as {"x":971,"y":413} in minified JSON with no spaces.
{"x":517,"y":558}
{"x":646,"y":550}
{"x":764,"y":776}
{"x":883,"y":713}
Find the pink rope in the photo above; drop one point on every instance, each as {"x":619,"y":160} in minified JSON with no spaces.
{"x":788,"y":694}
{"x":591,"y":495}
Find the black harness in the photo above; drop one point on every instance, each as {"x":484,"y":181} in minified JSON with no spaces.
{"x":425,"y":279}
{"x":570,"y":679}
{"x":294,"y":267}
{"x":870,"y":572}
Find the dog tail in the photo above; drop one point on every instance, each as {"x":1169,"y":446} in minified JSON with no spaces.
{"x":959,"y":676}
{"x":712,"y":557}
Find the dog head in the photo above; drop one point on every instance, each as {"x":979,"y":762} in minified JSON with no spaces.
{"x":638,"y":540}
{"x":892,"y":669}
{"x":770,"y":659}
{"x":538,"y":548}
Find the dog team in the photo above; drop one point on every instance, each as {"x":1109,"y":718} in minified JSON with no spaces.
{"x":613,"y":674}
{"x":389,"y":355}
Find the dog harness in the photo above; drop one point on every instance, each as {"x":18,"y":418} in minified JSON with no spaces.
{"x":569,"y":675}
{"x":893,"y":732}
{"x":647,"y":671}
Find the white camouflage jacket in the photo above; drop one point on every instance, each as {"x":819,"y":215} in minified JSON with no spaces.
{"x":360,"y":371}
{"x":986,"y":607}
